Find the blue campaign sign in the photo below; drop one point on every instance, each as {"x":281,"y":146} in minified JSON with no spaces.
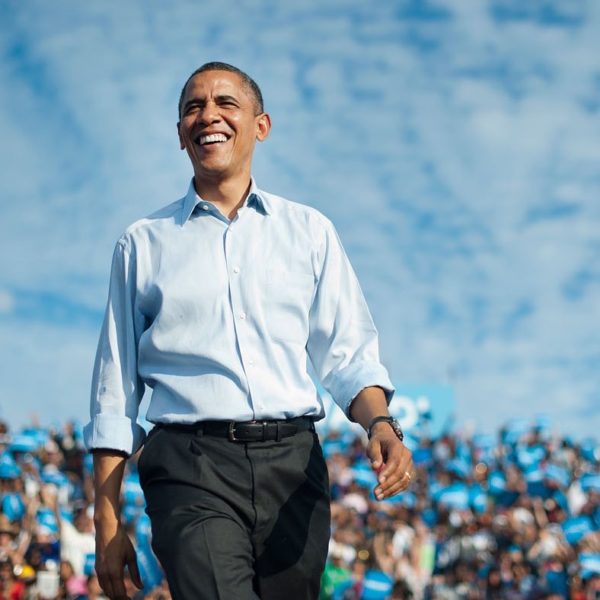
{"x":47,"y":519}
{"x":497,"y":483}
{"x":530,"y":456}
{"x":24,"y":442}
{"x":577,"y":528}
{"x":13,"y":506}
{"x":426,"y":408}
{"x":89,"y":564}
{"x":590,"y":482}
{"x":478,"y":498}
{"x":557,"y":474}
{"x":376,"y":586}
{"x":590,"y":450}
{"x":454,"y":496}
{"x":589,"y":563}
{"x":9,"y":469}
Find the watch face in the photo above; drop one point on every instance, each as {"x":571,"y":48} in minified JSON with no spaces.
{"x":397,"y":429}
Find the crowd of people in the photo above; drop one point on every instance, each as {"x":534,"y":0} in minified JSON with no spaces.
{"x":514,"y":515}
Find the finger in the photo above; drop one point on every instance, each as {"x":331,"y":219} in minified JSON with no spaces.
{"x":104,"y":582}
{"x":119,"y":591}
{"x":134,"y":571}
{"x":391,"y":470}
{"x":400,"y":486}
{"x":113,"y":586}
{"x":401,"y":476}
{"x":382,"y":491}
{"x":396,"y":465}
{"x":374,"y":454}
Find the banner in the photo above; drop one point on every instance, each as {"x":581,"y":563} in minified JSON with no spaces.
{"x":421,"y":409}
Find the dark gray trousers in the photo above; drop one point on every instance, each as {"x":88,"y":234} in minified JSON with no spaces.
{"x":237,"y":521}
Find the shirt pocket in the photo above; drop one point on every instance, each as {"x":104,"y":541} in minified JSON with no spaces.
{"x":288,"y":298}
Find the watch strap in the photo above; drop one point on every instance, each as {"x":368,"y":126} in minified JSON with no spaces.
{"x":386,"y":419}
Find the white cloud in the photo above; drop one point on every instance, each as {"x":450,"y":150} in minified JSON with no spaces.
{"x":7,"y":302}
{"x":430,"y":143}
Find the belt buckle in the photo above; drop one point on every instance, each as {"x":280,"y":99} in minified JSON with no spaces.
{"x":231,"y":432}
{"x":264,"y":429}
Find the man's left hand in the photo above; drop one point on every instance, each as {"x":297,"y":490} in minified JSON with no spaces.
{"x":391,"y":460}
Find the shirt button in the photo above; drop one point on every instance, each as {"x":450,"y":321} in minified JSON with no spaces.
{"x":242,"y":315}
{"x":204,"y":207}
{"x":250,"y":362}
{"x":236,"y":269}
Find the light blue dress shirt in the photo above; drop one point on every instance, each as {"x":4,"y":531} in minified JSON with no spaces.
{"x":223,"y":318}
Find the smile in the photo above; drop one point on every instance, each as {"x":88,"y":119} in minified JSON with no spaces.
{"x":213,"y":138}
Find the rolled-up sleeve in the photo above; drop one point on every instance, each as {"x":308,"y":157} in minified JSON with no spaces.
{"x":116,"y":387}
{"x":343,"y":341}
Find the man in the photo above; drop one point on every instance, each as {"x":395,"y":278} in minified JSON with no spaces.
{"x":218,"y":302}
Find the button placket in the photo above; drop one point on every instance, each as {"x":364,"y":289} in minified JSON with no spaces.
{"x":236,"y":254}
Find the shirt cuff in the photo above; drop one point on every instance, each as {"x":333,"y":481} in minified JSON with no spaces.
{"x":113,"y":432}
{"x":347,"y":383}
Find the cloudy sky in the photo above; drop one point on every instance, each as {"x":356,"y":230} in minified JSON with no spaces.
{"x":454,"y":143}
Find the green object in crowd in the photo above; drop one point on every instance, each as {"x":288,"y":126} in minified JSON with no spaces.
{"x":332,"y":577}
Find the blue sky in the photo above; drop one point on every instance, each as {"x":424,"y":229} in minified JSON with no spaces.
{"x":454,"y":143}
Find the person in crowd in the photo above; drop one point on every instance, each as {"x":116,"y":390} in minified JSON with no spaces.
{"x":541,"y":542}
{"x":93,"y":589}
{"x":11,"y":588}
{"x":75,"y":586}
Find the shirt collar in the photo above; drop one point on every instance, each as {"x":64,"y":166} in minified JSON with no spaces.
{"x":255,"y":199}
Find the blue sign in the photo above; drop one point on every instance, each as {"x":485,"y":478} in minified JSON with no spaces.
{"x":376,"y":586}
{"x":455,"y":496}
{"x":8,"y":467}
{"x":590,"y":564}
{"x":577,"y":528}
{"x":426,"y":408}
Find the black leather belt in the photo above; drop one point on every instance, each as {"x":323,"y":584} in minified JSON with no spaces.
{"x":248,"y":431}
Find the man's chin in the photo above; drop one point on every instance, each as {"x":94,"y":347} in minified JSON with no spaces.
{"x":211,"y":172}
{"x":210,"y":167}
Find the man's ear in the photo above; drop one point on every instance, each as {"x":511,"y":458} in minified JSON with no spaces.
{"x":263,"y":126}
{"x":181,"y":144}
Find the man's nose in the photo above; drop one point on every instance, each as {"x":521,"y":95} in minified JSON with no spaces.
{"x":209,"y":113}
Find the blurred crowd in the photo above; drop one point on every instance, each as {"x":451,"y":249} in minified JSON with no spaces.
{"x":514,"y":515}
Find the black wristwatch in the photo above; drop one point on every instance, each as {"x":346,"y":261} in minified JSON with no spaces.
{"x":393,"y":424}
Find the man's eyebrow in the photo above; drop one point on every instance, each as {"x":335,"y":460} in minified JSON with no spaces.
{"x":200,"y":101}
{"x":193,"y":101}
{"x":226,"y":97}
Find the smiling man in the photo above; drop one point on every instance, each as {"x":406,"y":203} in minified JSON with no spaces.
{"x":218,"y":302}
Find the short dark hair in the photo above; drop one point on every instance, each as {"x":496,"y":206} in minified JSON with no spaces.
{"x":250,"y":84}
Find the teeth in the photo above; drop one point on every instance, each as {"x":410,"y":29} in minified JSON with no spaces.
{"x":209,"y":139}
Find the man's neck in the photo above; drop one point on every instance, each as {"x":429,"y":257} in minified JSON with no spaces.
{"x":227,"y":195}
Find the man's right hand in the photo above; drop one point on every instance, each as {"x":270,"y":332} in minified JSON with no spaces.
{"x":114,"y":551}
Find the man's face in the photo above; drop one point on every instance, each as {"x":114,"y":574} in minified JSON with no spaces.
{"x":219,"y":125}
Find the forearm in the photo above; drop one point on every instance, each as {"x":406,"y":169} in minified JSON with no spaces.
{"x":369,"y":403}
{"x":389,"y":457}
{"x":114,"y":549}
{"x":109,"y":467}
